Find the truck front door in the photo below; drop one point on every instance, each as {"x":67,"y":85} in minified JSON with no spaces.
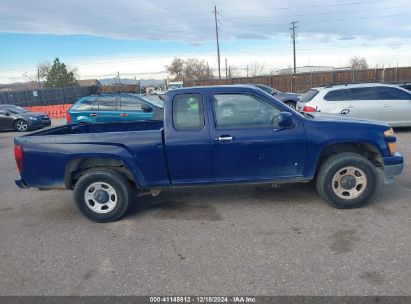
{"x":249,"y":145}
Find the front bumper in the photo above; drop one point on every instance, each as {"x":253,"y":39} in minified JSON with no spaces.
{"x":393,"y":166}
{"x":37,"y":124}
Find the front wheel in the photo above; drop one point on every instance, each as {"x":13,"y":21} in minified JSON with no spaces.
{"x":347,"y":180}
{"x":103,"y":195}
{"x":21,"y":126}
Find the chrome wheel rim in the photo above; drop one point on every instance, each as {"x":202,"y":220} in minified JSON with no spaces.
{"x":349,"y":182}
{"x":100,"y":197}
{"x":227,"y":112}
{"x":291,"y":105}
{"x":21,"y":125}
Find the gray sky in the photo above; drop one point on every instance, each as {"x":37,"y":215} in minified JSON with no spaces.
{"x":329,"y":33}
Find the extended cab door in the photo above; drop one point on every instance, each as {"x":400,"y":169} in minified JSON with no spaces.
{"x":187,"y":140}
{"x":249,"y":145}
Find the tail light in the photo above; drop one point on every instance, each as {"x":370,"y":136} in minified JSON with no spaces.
{"x":309,"y":109}
{"x":18,"y":155}
{"x":68,"y":117}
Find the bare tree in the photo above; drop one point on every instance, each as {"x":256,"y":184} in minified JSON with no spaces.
{"x":176,"y":68}
{"x":189,"y":69}
{"x":358,"y":63}
{"x":195,"y":69}
{"x":256,"y":69}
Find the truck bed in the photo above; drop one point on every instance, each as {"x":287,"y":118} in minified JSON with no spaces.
{"x":49,"y":154}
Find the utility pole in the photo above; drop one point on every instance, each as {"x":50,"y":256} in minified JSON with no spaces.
{"x":218,"y":42}
{"x":38,"y":78}
{"x":247,"y":70}
{"x":226,"y":71}
{"x":293,"y":28}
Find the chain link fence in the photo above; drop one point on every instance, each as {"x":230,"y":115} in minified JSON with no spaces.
{"x":46,"y":97}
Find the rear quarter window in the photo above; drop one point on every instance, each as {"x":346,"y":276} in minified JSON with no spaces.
{"x":188,"y":112}
{"x":337,"y":95}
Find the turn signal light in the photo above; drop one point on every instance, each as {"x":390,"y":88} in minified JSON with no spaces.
{"x":392,"y":146}
{"x":68,"y":118}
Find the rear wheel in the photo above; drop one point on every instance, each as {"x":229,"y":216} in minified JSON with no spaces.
{"x":103,"y":195}
{"x":21,"y":126}
{"x":290,"y":104}
{"x":347,"y":180}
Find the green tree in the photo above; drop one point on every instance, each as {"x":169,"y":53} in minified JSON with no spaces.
{"x":59,"y":76}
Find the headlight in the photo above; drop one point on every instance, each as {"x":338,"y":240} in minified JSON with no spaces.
{"x":389,"y":133}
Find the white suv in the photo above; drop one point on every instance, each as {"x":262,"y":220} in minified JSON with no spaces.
{"x":388,"y":103}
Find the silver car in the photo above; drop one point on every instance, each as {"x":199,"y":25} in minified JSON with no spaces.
{"x":377,"y":101}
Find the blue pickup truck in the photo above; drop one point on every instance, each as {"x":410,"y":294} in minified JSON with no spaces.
{"x":210,"y":135}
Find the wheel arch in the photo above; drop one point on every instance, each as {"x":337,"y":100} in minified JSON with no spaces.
{"x":365,"y":149}
{"x":77,"y":167}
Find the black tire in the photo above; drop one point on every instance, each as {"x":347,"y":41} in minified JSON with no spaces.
{"x":123,"y":195}
{"x":21,"y":125}
{"x":333,"y":188}
{"x":291,"y":104}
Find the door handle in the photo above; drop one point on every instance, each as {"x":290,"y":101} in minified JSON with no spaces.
{"x":385,"y":106}
{"x":123,"y":114}
{"x":224,"y":138}
{"x":93,"y":114}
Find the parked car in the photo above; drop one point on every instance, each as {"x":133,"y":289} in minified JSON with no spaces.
{"x":290,"y":99}
{"x":198,"y":145}
{"x":121,"y":107}
{"x":20,"y":119}
{"x":388,"y":103}
{"x":405,"y":85}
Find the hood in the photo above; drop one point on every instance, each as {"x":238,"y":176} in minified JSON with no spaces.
{"x":31,"y":114}
{"x":318,"y":116}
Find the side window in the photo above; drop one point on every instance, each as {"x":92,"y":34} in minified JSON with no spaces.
{"x":362,"y":93}
{"x":392,"y":93}
{"x":86,"y":104}
{"x":243,"y":111}
{"x":131,"y":104}
{"x":107,"y":103}
{"x":337,"y":95}
{"x":188,"y":112}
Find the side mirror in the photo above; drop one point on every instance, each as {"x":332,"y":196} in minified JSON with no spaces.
{"x":146,"y":108}
{"x":286,"y":120}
